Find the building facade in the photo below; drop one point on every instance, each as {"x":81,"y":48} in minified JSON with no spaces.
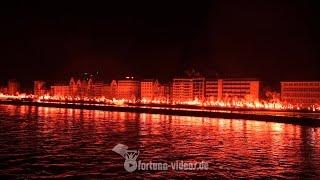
{"x":188,"y":89}
{"x":245,"y":89}
{"x":211,"y":90}
{"x":98,"y":89}
{"x":113,"y":89}
{"x":3,"y":90}
{"x":85,"y":88}
{"x":300,"y":92}
{"x":13,"y":87}
{"x":164,"y":93}
{"x":60,"y":90}
{"x":106,"y":91}
{"x":150,"y":89}
{"x":128,"y":89}
{"x":198,"y":88}
{"x":74,"y":87}
{"x":39,"y":88}
{"x":182,"y":90}
{"x":236,"y":89}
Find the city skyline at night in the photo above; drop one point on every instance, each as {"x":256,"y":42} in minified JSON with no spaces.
{"x":170,"y":89}
{"x":191,"y":89}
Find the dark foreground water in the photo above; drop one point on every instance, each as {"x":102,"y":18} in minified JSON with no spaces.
{"x":40,"y":142}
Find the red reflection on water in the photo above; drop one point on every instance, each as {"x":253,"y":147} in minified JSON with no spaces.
{"x":234,"y":148}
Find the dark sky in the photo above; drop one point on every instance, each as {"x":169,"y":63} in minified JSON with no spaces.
{"x":271,"y":40}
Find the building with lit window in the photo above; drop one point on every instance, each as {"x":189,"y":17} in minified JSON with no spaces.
{"x":106,"y":91}
{"x":74,"y":87}
{"x":128,"y":89}
{"x":300,"y":92}
{"x":247,"y":89}
{"x":182,"y":89}
{"x":39,"y":88}
{"x":232,"y":89}
{"x":13,"y":87}
{"x":188,"y":89}
{"x":113,"y":89}
{"x":98,"y":89}
{"x":89,"y":88}
{"x":198,"y":88}
{"x":150,"y":89}
{"x":86,"y":88}
{"x":211,"y":89}
{"x":61,"y":90}
{"x":164,"y":93}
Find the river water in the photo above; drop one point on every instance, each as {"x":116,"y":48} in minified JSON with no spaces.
{"x":41,"y":142}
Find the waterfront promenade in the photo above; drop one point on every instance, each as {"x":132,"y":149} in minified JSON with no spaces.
{"x":268,"y":116}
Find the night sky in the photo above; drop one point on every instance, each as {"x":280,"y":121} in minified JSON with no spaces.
{"x":270,"y":40}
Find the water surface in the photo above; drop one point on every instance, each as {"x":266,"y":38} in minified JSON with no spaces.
{"x":41,"y":142}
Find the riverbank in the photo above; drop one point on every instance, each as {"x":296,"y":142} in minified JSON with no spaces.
{"x":176,"y":110}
